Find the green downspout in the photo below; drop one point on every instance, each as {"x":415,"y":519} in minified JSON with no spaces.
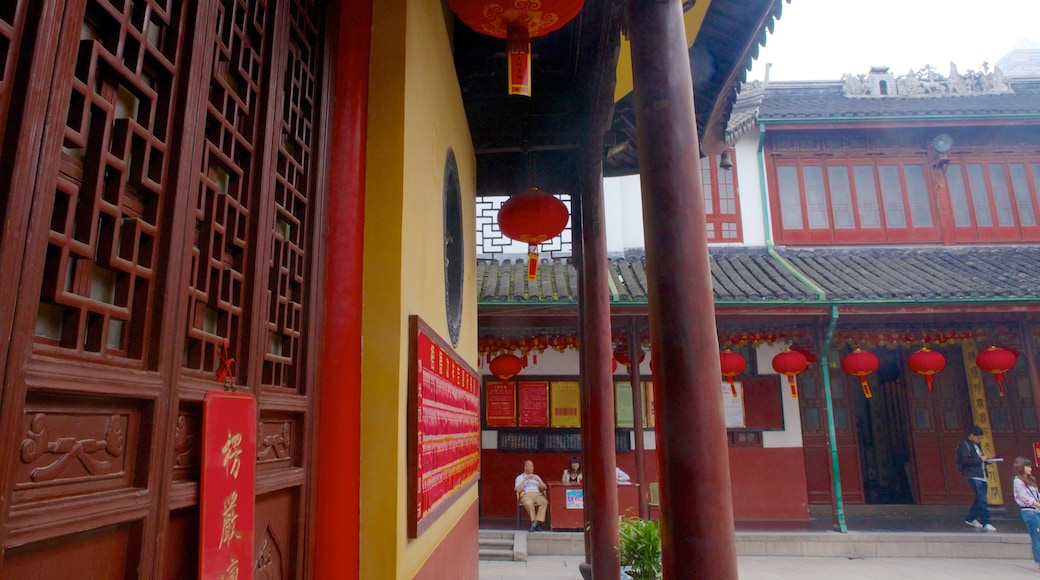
{"x":832,"y":438}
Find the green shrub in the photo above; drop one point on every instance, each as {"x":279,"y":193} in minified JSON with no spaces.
{"x":640,"y":548}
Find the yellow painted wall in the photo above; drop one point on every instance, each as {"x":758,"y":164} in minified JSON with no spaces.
{"x":415,"y":116}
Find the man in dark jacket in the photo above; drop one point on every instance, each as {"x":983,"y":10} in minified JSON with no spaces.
{"x":972,"y":465}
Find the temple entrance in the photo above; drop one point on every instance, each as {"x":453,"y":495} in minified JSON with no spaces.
{"x":882,"y":431}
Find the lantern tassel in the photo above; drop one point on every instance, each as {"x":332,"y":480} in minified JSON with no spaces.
{"x":1000,"y":383}
{"x":866,"y":387}
{"x":732,"y":387}
{"x":532,"y":262}
{"x":794,"y":386}
{"x":518,"y":47}
{"x":929,"y":380}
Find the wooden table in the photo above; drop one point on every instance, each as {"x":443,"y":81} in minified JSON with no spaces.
{"x":562,"y":517}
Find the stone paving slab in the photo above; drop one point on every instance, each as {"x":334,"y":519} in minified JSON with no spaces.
{"x":783,"y":568}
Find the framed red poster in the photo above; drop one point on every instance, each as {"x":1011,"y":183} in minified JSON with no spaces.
{"x":534,"y":403}
{"x":227,"y":495}
{"x":500,"y":404}
{"x":443,"y":426}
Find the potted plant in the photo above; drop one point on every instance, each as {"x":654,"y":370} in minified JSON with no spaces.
{"x":640,"y":548}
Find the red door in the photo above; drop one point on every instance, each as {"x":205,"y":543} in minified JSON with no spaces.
{"x":818,"y":470}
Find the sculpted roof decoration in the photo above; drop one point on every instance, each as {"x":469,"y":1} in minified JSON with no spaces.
{"x":926,"y":82}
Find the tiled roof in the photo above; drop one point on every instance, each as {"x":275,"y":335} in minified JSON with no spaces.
{"x":738,"y":275}
{"x":925,"y":273}
{"x":751,"y":275}
{"x":822,"y":100}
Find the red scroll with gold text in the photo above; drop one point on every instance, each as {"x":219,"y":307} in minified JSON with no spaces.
{"x":228,"y":487}
{"x":443,"y":426}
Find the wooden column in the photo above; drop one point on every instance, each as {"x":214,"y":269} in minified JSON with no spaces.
{"x":338,"y":528}
{"x":597,"y":432}
{"x":696,"y":506}
{"x":635,"y":350}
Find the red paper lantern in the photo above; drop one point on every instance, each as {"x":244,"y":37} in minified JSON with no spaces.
{"x":532,"y":216}
{"x":621,"y":355}
{"x":998,"y":361}
{"x":926,"y":362}
{"x":732,"y":364}
{"x":613,"y":365}
{"x":518,"y":21}
{"x":861,"y":363}
{"x":790,"y":363}
{"x":506,"y":366}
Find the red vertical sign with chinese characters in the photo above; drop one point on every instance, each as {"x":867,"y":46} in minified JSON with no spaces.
{"x":228,"y":488}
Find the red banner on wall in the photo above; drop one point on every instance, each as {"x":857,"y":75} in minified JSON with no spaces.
{"x":443,"y":426}
{"x":500,"y":404}
{"x":534,"y":403}
{"x":228,"y":486}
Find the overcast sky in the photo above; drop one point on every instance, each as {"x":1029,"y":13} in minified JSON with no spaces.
{"x":822,"y":39}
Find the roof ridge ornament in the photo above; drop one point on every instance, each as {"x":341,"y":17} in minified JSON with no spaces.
{"x":926,"y":82}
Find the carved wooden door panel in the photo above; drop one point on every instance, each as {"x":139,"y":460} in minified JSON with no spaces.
{"x":816,"y":441}
{"x":162,"y":187}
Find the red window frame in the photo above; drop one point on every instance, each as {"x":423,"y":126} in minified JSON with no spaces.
{"x":715,"y":181}
{"x":829,"y":234}
{"x":1029,"y":187}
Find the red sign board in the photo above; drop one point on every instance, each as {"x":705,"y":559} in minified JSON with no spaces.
{"x":443,"y":427}
{"x":534,"y":403}
{"x":228,"y":487}
{"x":500,"y":404}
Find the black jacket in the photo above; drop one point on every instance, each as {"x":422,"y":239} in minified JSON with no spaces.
{"x":969,"y":462}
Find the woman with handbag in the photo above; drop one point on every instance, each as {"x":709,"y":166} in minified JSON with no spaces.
{"x":1028,"y":498}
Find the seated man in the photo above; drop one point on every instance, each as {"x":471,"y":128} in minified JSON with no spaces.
{"x":622,"y":477}
{"x":529,"y":489}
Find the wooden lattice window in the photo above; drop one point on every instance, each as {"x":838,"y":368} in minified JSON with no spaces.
{"x":293,"y":191}
{"x":98,"y":286}
{"x":229,"y":186}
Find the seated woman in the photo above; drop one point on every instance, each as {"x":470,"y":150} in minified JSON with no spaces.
{"x":573,"y":473}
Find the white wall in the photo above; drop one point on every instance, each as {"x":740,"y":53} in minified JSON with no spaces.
{"x":791,"y":436}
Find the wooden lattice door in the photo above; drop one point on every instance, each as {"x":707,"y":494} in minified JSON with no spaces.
{"x":162,"y":183}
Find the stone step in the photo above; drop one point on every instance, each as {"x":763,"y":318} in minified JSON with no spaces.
{"x":499,"y":543}
{"x":970,"y":544}
{"x":495,"y":554}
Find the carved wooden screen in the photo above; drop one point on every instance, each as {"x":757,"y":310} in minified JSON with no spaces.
{"x":161,"y":180}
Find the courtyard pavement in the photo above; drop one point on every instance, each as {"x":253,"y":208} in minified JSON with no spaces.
{"x":775,"y":568}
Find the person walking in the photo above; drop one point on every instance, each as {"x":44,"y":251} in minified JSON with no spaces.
{"x":972,"y":465}
{"x":1028,"y":498}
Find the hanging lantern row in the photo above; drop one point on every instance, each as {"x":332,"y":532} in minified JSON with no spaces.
{"x":923,"y":338}
{"x":732,"y":339}
{"x":517,"y":21}
{"x":532,"y":217}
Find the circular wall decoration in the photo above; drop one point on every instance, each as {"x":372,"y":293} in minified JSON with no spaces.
{"x":454,"y":252}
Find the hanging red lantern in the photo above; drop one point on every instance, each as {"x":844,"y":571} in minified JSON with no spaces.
{"x":506,"y":366}
{"x":926,"y":362}
{"x":998,"y":361}
{"x":790,"y":363}
{"x":861,"y":363}
{"x":621,"y":355}
{"x":732,"y":364}
{"x":810,"y":357}
{"x":613,"y":365}
{"x":517,"y":21}
{"x":532,"y":216}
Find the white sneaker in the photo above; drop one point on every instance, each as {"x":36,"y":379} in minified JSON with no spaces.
{"x":990,"y":528}
{"x":973,"y":523}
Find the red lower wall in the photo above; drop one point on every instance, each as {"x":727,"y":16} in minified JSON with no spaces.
{"x":457,"y":554}
{"x":768,"y":484}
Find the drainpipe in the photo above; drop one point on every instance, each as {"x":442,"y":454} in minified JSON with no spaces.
{"x":838,"y":504}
